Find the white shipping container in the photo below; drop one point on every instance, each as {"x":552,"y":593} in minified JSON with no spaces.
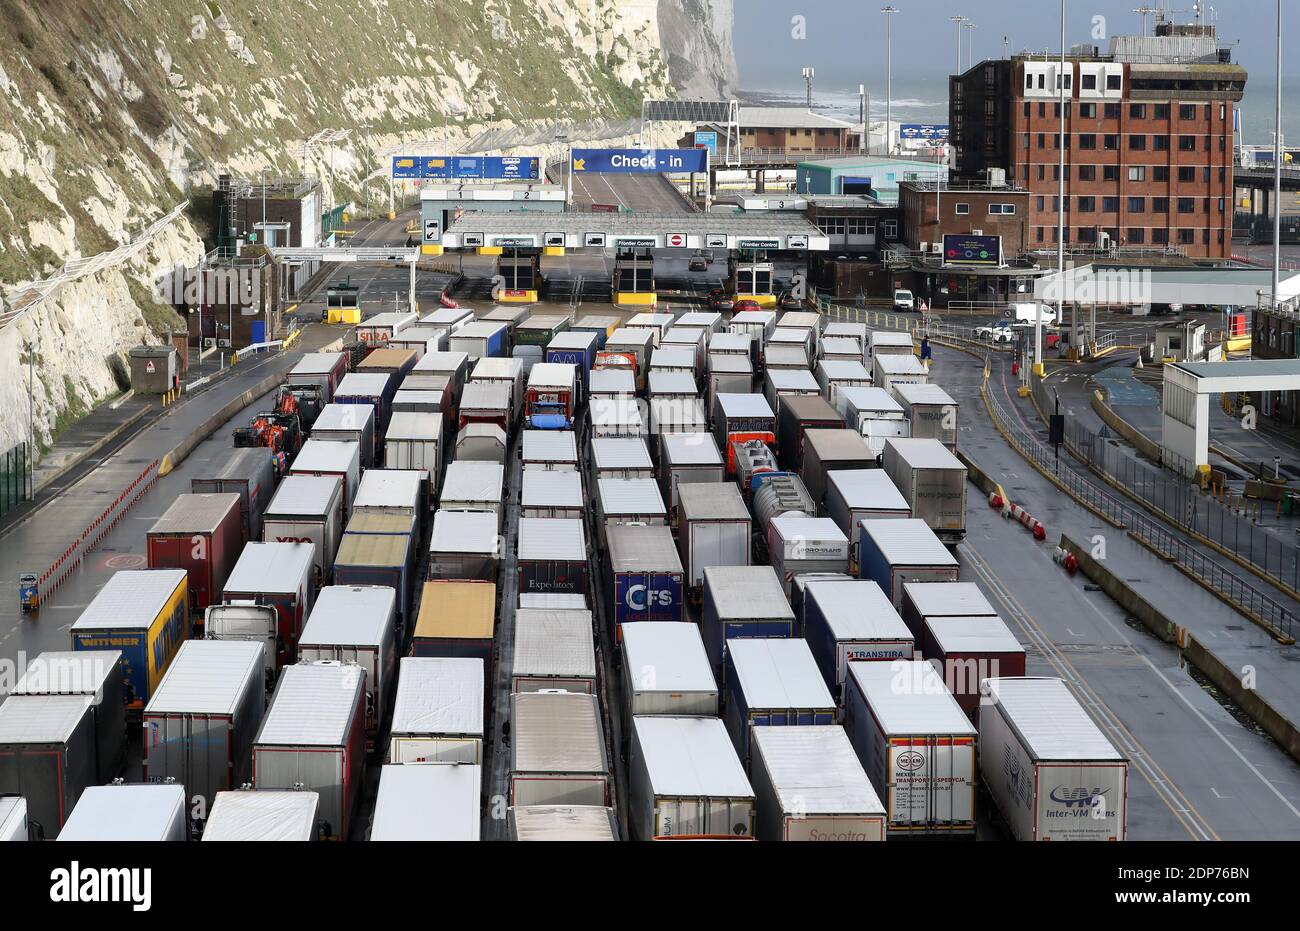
{"x":414,"y":441}
{"x":666,"y":670}
{"x":685,"y":781}
{"x":1050,"y":769}
{"x":307,"y":509}
{"x":332,"y":457}
{"x":356,"y":624}
{"x":392,"y":491}
{"x":630,"y":501}
{"x":933,"y":481}
{"x":428,"y":802}
{"x":809,"y":786}
{"x":772,"y":683}
{"x":550,"y":449}
{"x":563,"y":823}
{"x":888,"y":371}
{"x":557,"y":750}
{"x":129,"y":813}
{"x":895,"y":551}
{"x":464,"y":545}
{"x":713,"y":528}
{"x":438,"y":714}
{"x":263,"y":815}
{"x":854,"y":495}
{"x":687,"y":458}
{"x":554,"y":649}
{"x":916,"y":744}
{"x":551,"y":494}
{"x":852,"y":621}
{"x":620,"y":457}
{"x":13,"y":818}
{"x":797,"y":543}
{"x":616,"y":416}
{"x":343,"y":422}
{"x":473,"y":486}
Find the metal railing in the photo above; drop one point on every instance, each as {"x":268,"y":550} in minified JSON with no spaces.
{"x":1167,"y":543}
{"x":16,"y":484}
{"x":930,"y":325}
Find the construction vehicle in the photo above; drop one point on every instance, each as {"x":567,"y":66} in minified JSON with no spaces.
{"x":280,"y":431}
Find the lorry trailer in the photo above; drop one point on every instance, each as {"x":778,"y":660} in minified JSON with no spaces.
{"x":439,"y":711}
{"x":557,"y":750}
{"x":667,"y":671}
{"x":249,"y":472}
{"x":893,"y":552}
{"x":554,"y":649}
{"x":772,"y":683}
{"x":97,"y":673}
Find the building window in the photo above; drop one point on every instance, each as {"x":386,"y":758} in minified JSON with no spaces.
{"x":1161,"y":111}
{"x":1160,"y":205}
{"x":1160,"y":173}
{"x":831,"y":226}
{"x":1087,"y":141}
{"x":1026,"y":140}
{"x":1039,"y":203}
{"x":1160,"y":143}
{"x":1087,"y":172}
{"x":1160,"y":235}
{"x":1186,"y":143}
{"x":891,"y":228}
{"x":1110,"y":205}
{"x":1187,"y":111}
{"x":1004,"y":209}
{"x":1088,"y":111}
{"x":1187,"y":205}
{"x":1087,"y":204}
{"x":1220,"y":205}
{"x":1186,"y":174}
{"x":1137,"y":111}
{"x":1042,"y":110}
{"x":1038,"y":233}
{"x":1110,"y":142}
{"x":1223,"y":174}
{"x":1137,"y":205}
{"x":1042,"y":172}
{"x":1111,"y":111}
{"x":1088,"y":82}
{"x":1137,"y":142}
{"x":1026,"y":109}
{"x":1223,"y":111}
{"x":1186,"y":237}
{"x":962,"y":209}
{"x":1110,"y":172}
{"x":857,"y":226}
{"x":1042,"y":140}
{"x":1113,"y":82}
{"x":1137,"y":173}
{"x":1137,"y":235}
{"x":1205,"y":175}
{"x":1087,"y":234}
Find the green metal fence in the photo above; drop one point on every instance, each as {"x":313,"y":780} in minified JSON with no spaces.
{"x":15,"y":476}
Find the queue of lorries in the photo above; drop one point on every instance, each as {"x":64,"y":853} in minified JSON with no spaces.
{"x":763,"y":511}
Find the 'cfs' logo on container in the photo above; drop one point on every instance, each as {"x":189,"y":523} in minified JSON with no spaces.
{"x":909,"y":761}
{"x":640,"y":598}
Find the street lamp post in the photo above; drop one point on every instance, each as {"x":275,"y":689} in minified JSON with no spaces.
{"x":889,"y":11}
{"x":1060,"y":215}
{"x":1277,"y":163}
{"x":958,"y":20}
{"x":970,"y":42}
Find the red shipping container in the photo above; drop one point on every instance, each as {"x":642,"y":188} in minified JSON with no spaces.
{"x":202,"y":534}
{"x":969,"y":650}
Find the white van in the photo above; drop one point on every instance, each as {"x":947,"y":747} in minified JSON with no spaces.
{"x":1027,"y":312}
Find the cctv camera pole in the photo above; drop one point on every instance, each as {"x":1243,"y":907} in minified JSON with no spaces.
{"x":1060,"y":217}
{"x":1277,"y":162}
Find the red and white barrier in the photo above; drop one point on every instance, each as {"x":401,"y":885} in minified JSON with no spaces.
{"x":1027,"y":520}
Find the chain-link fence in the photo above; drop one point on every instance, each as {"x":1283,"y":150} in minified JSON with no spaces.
{"x":1180,"y":502}
{"x":15,"y":477}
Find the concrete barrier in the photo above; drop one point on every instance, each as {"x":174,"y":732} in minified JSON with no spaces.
{"x":1136,"y":438}
{"x":182,"y":449}
{"x":1229,"y":681}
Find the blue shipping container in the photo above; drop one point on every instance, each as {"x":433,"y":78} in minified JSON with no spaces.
{"x":716,"y":633}
{"x":583,"y":360}
{"x":648,"y":596}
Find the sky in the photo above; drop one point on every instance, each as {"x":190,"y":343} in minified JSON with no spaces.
{"x":844,"y":40}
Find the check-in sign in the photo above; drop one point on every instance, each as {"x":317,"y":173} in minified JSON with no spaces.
{"x":640,"y":161}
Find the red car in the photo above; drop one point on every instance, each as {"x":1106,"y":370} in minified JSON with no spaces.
{"x":746,"y":304}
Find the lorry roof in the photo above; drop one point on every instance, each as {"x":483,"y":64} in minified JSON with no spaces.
{"x":344,"y":417}
{"x":557,"y":733}
{"x":811,"y":407}
{"x":730,"y":342}
{"x":724,"y":364}
{"x":899,"y":364}
{"x":857,"y":609}
{"x":972,"y":635}
{"x":833,"y":443}
{"x":482,"y":329}
{"x":907,"y":541}
{"x":350,"y":615}
{"x":439,"y":695}
{"x":192,"y":513}
{"x":131,"y":598}
{"x":844,"y":368}
{"x":620,"y":452}
{"x":793,"y":525}
{"x":952,"y":599}
{"x":41,"y":719}
{"x":690,"y":757}
{"x":362,"y":385}
{"x":605,"y":411}
{"x":689,"y":449}
{"x":909,"y":697}
{"x":814,"y":770}
{"x":314,"y":705}
{"x":870,"y":399}
{"x":552,"y":538}
{"x":711,"y":501}
{"x":648,"y":548}
{"x":387,"y":357}
{"x":389,"y":488}
{"x":672,"y":359}
{"x":125,"y":813}
{"x":457,"y":611}
{"x":867,"y":488}
{"x":671,"y":381}
{"x":373,"y":549}
{"x":271,"y":568}
{"x":464,"y":532}
{"x":550,"y":446}
{"x":611,"y":380}
{"x":427,"y":802}
{"x":554,"y":643}
{"x":1049,"y":720}
{"x":316,"y":363}
{"x":472,"y":481}
{"x":485,"y":396}
{"x":667,"y":656}
{"x":551,"y":488}
{"x":244,"y":462}
{"x":208,"y":677}
{"x":497,"y":367}
{"x":744,"y":405}
{"x":552,"y":375}
{"x":634,"y":496}
{"x":891,"y":338}
{"x":263,"y":815}
{"x":776,"y":673}
{"x":303,"y":495}
{"x":390,"y":318}
{"x":414,"y":425}
{"x":571,"y":339}
{"x":923,"y":394}
{"x":380,"y":522}
{"x":740,"y":592}
{"x":327,"y":456}
{"x":841,"y":346}
{"x":67,"y":672}
{"x":924,"y":453}
{"x":564,"y":823}
{"x":792,"y":379}
{"x":442,"y":360}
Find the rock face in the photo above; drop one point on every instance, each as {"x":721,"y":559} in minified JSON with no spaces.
{"x":696,"y":37}
{"x":104,"y":129}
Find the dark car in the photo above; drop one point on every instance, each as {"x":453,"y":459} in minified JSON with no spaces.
{"x":705,"y":254}
{"x":787,"y":301}
{"x":698,"y":265}
{"x":720,"y":300}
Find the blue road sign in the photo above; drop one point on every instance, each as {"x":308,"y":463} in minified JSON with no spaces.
{"x":707,"y":139}
{"x":468,"y":167}
{"x":640,"y":161}
{"x":925,"y":132}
